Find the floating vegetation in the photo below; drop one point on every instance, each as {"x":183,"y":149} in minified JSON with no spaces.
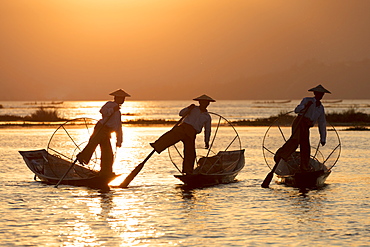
{"x":149,"y":121}
{"x":41,"y":115}
{"x":350,"y":117}
{"x":8,"y":117}
{"x":357,"y":128}
{"x":346,"y":118}
{"x":286,"y":118}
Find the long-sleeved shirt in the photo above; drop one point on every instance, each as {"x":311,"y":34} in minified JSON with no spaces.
{"x":198,"y":119}
{"x":315,"y":114}
{"x":112,"y":119}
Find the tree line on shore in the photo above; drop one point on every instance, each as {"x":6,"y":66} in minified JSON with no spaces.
{"x":350,"y":117}
{"x":344,"y":118}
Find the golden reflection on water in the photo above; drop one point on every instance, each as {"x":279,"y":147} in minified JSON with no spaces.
{"x":130,"y":109}
{"x":135,"y":147}
{"x":156,"y":212}
{"x":121,"y":214}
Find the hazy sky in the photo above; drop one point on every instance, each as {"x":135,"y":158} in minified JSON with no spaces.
{"x":174,"y":49}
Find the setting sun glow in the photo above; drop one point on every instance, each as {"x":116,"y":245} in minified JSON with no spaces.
{"x":161,"y":49}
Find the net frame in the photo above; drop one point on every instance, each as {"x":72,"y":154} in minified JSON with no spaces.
{"x":74,"y":135}
{"x":279,"y":123}
{"x":220,"y":122}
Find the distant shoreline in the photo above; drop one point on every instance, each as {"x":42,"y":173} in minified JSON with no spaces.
{"x":50,"y":118}
{"x":353,"y":126}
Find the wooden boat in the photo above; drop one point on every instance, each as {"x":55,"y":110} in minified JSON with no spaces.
{"x":219,"y":169}
{"x":50,"y":169}
{"x":272,"y":102}
{"x":289,"y":173}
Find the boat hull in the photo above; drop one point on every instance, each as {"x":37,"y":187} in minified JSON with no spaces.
{"x":314,"y":179}
{"x":93,"y":182}
{"x":50,"y":169}
{"x":201,"y":180}
{"x":290,"y":173}
{"x":222,"y":177}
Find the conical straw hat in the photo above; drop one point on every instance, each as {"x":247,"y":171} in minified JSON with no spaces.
{"x":204,"y":97}
{"x":120,"y":93}
{"x":319,"y":89}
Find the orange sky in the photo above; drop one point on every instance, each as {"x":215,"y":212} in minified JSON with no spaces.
{"x":166,"y":49}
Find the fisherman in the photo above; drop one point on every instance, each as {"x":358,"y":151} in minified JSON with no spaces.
{"x":194,"y":119}
{"x":309,"y":111}
{"x":110,"y":122}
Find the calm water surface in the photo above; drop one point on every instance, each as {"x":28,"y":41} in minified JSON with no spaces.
{"x":156,"y":211}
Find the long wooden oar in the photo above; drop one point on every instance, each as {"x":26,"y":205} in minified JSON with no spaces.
{"x":134,"y":172}
{"x":65,"y":174}
{"x":270,"y":175}
{"x":138,"y":168}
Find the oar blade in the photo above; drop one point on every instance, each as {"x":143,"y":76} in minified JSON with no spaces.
{"x":131,"y":176}
{"x":267,"y":180}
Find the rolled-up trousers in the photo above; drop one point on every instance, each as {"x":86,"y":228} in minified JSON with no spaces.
{"x":101,"y":136}
{"x":185,"y":133}
{"x":300,"y":136}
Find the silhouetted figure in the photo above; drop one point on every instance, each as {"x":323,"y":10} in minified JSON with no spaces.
{"x":196,"y":117}
{"x":110,"y":122}
{"x":309,"y":111}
